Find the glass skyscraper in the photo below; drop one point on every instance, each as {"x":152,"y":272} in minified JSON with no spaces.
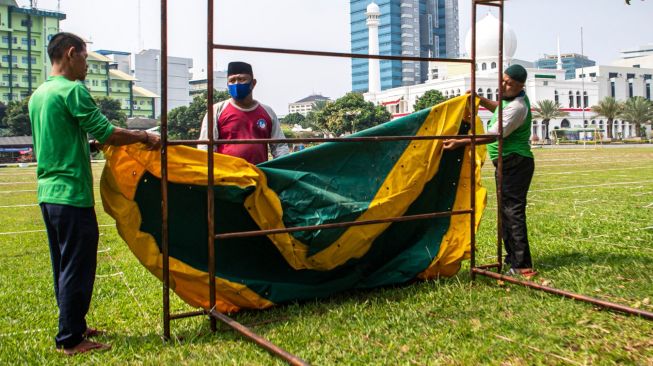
{"x":570,"y":62}
{"x":407,"y":28}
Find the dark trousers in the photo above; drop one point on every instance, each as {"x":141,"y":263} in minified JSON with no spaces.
{"x":517,"y":175}
{"x":73,"y":236}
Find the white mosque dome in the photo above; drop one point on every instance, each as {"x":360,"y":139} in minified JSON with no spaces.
{"x":373,"y":9}
{"x":487,"y":39}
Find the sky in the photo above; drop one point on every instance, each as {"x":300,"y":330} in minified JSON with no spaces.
{"x":608,"y":27}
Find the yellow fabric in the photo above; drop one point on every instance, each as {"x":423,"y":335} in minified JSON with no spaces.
{"x":456,"y":243}
{"x":118,"y":185}
{"x":417,"y":165}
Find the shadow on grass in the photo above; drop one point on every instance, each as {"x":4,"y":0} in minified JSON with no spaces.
{"x":585,"y":259}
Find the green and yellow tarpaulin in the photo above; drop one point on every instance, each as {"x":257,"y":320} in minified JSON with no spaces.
{"x":329,"y":183}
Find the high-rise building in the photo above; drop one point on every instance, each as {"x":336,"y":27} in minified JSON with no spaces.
{"x":105,"y":79}
{"x":407,"y":28}
{"x":570,"y":62}
{"x":24,"y":62}
{"x":148,"y":72}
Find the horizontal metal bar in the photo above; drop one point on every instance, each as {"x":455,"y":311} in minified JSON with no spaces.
{"x":338,"y":54}
{"x":604,"y":304}
{"x":327,"y":139}
{"x":488,"y":3}
{"x":245,"y":234}
{"x":486,"y":266}
{"x":264,"y":343}
{"x":187,"y":315}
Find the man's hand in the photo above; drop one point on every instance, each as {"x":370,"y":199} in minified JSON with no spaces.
{"x":152,"y":141}
{"x":453,"y":144}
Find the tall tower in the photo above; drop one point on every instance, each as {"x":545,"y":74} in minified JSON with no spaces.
{"x":406,"y":28}
{"x":373,"y":13}
{"x":559,"y":63}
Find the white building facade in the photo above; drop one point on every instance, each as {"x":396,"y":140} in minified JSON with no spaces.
{"x":147,"y":68}
{"x":576,"y":96}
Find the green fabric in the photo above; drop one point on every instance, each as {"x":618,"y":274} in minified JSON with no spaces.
{"x":336,"y":175}
{"x":401,"y":252}
{"x":62,"y":113}
{"x":518,"y":142}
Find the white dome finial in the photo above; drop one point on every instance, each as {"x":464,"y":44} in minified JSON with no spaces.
{"x":487,"y":39}
{"x":373,"y":9}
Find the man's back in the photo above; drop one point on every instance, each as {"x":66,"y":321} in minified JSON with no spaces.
{"x":62,"y":112}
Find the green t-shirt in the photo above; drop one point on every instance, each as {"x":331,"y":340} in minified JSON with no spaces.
{"x":518,"y":141}
{"x":62,"y":113}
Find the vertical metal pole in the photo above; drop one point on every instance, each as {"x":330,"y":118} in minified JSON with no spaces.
{"x":472,"y":178}
{"x":209,"y":152}
{"x":164,"y":170}
{"x":500,"y":145}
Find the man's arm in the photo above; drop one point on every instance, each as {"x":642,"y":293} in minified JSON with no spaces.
{"x":82,"y":106}
{"x":276,"y":133}
{"x":204,"y":131}
{"x":488,"y":104}
{"x":122,"y":136}
{"x":514,"y":115}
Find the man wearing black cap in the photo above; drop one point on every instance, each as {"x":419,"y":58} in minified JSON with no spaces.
{"x":518,"y":166}
{"x":242,"y":117}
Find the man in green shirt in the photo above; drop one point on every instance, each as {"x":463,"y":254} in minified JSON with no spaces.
{"x":62,"y":114}
{"x":518,"y":166}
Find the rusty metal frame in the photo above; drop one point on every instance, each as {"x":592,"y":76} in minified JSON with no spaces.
{"x":475,"y":269}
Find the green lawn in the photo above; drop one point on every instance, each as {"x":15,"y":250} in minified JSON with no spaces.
{"x":590,"y":217}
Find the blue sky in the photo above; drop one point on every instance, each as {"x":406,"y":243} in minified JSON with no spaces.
{"x":608,"y":25}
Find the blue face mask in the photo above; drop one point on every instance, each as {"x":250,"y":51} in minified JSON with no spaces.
{"x":240,"y":91}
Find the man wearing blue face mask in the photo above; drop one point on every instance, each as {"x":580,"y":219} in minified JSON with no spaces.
{"x":242,"y":117}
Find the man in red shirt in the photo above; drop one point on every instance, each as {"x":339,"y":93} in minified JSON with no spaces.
{"x":243,"y":117}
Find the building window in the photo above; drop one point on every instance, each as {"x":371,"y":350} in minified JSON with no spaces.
{"x":586,"y":99}
{"x":612,"y":89}
{"x":556,"y":97}
{"x":578,"y":104}
{"x":5,"y":39}
{"x":571,"y":99}
{"x":494,"y":65}
{"x":648,"y":90}
{"x":489,"y":94}
{"x":496,"y":94}
{"x":630,"y":89}
{"x":480,"y":92}
{"x":483,"y":66}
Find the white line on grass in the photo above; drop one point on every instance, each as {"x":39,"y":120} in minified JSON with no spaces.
{"x":12,"y":206}
{"x":23,"y":190}
{"x":129,"y":288}
{"x":11,"y":183}
{"x":586,"y":186}
{"x":25,"y":332}
{"x":39,"y":231}
{"x":28,"y":205}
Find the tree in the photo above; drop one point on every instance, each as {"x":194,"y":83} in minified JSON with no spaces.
{"x":184,"y":123}
{"x":294,"y":119}
{"x":429,"y":99}
{"x":637,"y":110}
{"x":111,"y":109}
{"x":609,"y":108}
{"x":17,"y":118}
{"x":310,"y":119}
{"x":349,"y":114}
{"x":546,"y":110}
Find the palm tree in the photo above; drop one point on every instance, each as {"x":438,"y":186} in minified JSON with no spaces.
{"x":609,"y":108}
{"x":637,"y":110}
{"x":547,"y":110}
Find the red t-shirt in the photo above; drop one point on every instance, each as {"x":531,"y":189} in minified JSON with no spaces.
{"x":235,"y":123}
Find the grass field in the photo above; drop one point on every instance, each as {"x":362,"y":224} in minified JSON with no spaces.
{"x":590,"y":218}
